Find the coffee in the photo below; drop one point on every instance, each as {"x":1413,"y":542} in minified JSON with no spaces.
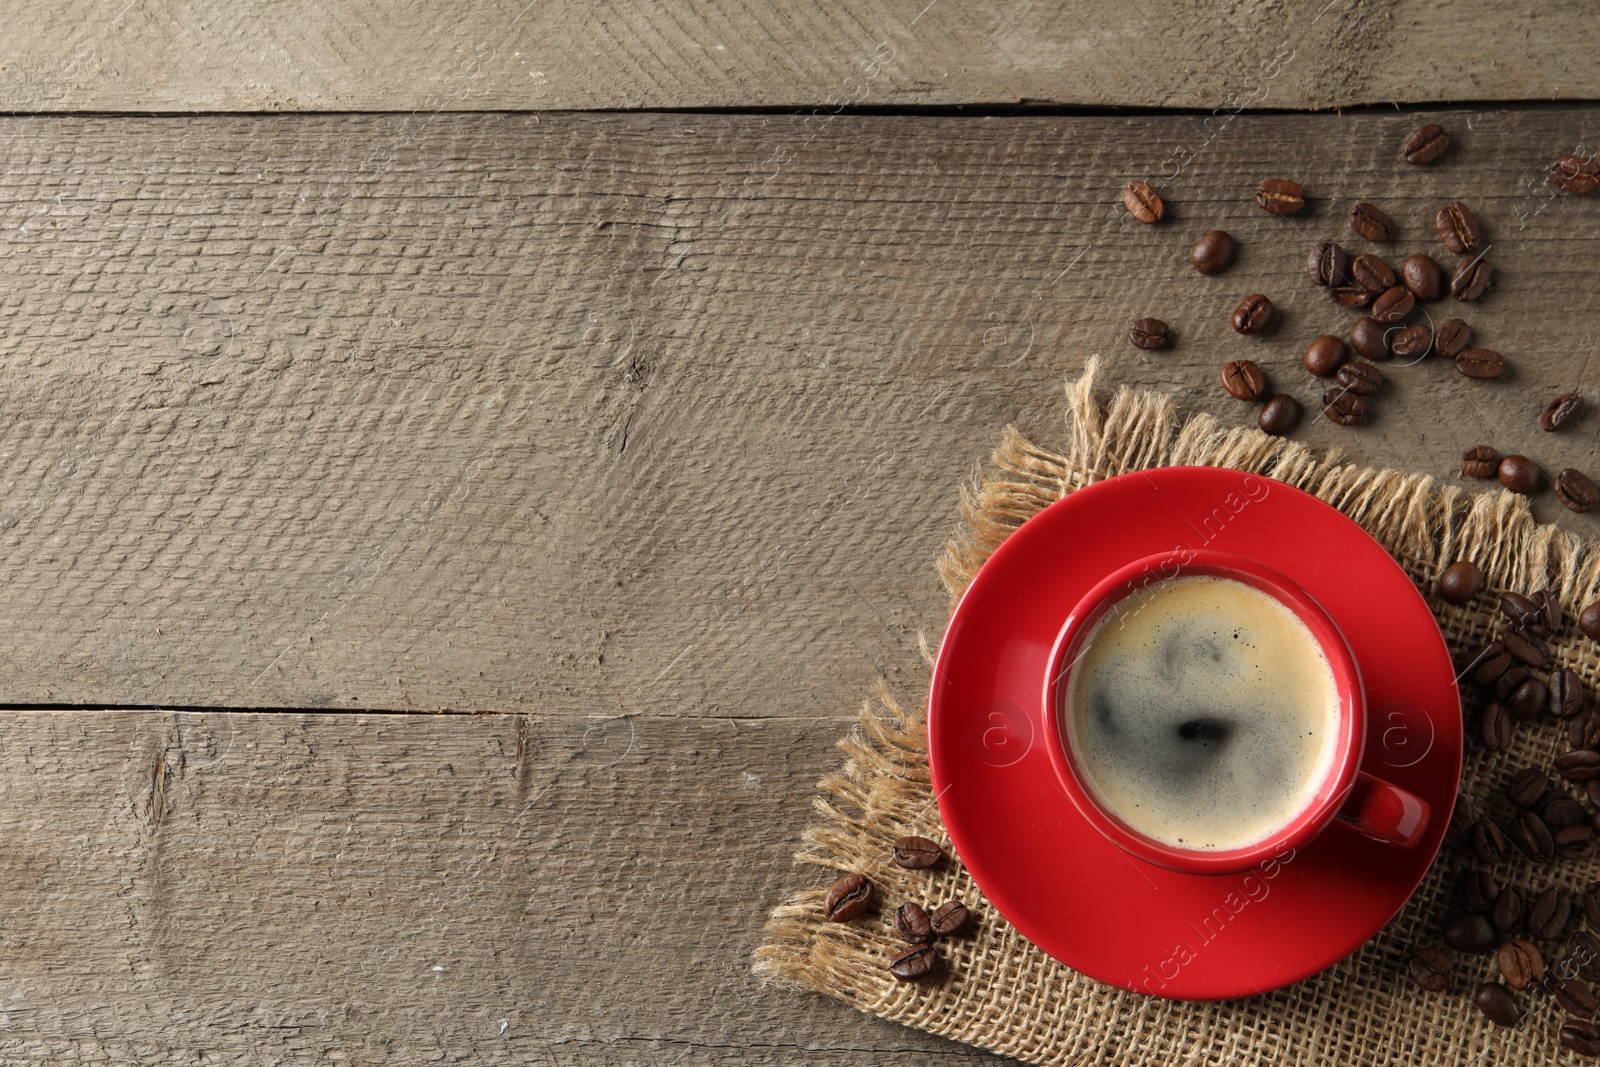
{"x":1202,"y":712}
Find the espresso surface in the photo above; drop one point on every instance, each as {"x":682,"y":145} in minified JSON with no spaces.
{"x":1204,"y":712}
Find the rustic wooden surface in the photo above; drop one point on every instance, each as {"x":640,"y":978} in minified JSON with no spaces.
{"x":384,"y":55}
{"x":638,"y":431}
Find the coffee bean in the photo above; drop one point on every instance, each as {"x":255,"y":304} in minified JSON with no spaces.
{"x":846,"y":898}
{"x":1550,"y":914}
{"x":1577,"y":490}
{"x":1582,"y":1038}
{"x":1367,"y":337}
{"x":1429,"y":969}
{"x":1530,"y":697}
{"x":1350,"y":296}
{"x":1550,"y":609}
{"x":1529,"y":650}
{"x":1574,"y":996}
{"x":1471,"y":280}
{"x":1508,"y":683}
{"x":1422,"y":274}
{"x":1498,"y":1004}
{"x":1495,"y":727}
{"x":1561,"y":411}
{"x":1583,"y":731}
{"x":1149,"y":334}
{"x":1142,"y":202}
{"x":1578,"y":765}
{"x":1369,"y":222}
{"x":1518,"y":474}
{"x":1371,"y":273}
{"x":1488,"y":843}
{"x":1531,"y":836}
{"x":1458,"y":228}
{"x":1566,"y":693}
{"x":1506,"y":910}
{"x":1471,"y":931}
{"x":1589,"y":621}
{"x":917,"y":853}
{"x":1460,"y":820}
{"x":1393,"y":305}
{"x":1280,"y":196}
{"x":1253,"y":314}
{"x":1450,"y":340}
{"x":1526,"y":787}
{"x":1279,"y":415}
{"x":1426,"y":144}
{"x":1574,"y":842}
{"x":1489,"y":670}
{"x":913,"y":963}
{"x":1362,"y":379}
{"x":1243,"y":379}
{"x":1575,"y":174}
{"x":1583,"y":952}
{"x":1479,"y":889}
{"x":1344,"y":407}
{"x":1480,"y":461}
{"x":912,"y":924}
{"x":1520,"y":963}
{"x":1591,"y":905}
{"x":1518,"y":608}
{"x":1328,"y":264}
{"x":1413,"y":342}
{"x":950,"y":918}
{"x":1213,"y":253}
{"x":1481,"y":363}
{"x":1324,"y":355}
{"x":1561,"y":811}
{"x":1460,"y":581}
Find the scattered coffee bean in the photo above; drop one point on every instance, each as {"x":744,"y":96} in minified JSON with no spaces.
{"x":1577,"y":490}
{"x":1583,"y":731}
{"x":1328,"y":264}
{"x":1566,"y":693}
{"x":1550,"y":914}
{"x":1460,"y":581}
{"x":1589,"y":621}
{"x":1413,"y":342}
{"x":1243,"y":379}
{"x":1480,"y":461}
{"x":913,"y":963}
{"x":1527,"y":787}
{"x":1450,"y":340}
{"x":1362,"y":379}
{"x":1324,"y":355}
{"x":1429,"y":969}
{"x":1494,"y":728}
{"x":1531,"y":836}
{"x":1371,"y":273}
{"x":1213,"y":253}
{"x":1520,"y":963}
{"x":917,"y":853}
{"x":1481,"y":363}
{"x":1344,"y":407}
{"x":1350,"y":296}
{"x":1479,"y":889}
{"x":1488,"y":843}
{"x":1369,"y":340}
{"x":1253,"y":314}
{"x":1574,"y":842}
{"x":1518,"y":474}
{"x":1508,"y":683}
{"x":1471,"y":931}
{"x":1149,"y":334}
{"x":1528,"y":699}
{"x":1578,"y":765}
{"x":1458,"y":228}
{"x":950,"y":918}
{"x":1471,"y":280}
{"x":1489,"y":670}
{"x":1279,"y":415}
{"x":1582,"y":1038}
{"x":1518,"y":608}
{"x":1506,"y":910}
{"x":1561,"y":411}
{"x":1280,"y":196}
{"x":1550,"y":610}
{"x":912,"y":924}
{"x":1498,"y":1004}
{"x":1460,"y":820}
{"x":1561,"y":811}
{"x":1574,"y":996}
{"x":1591,"y":905}
{"x":1142,"y":202}
{"x":1422,"y":274}
{"x":846,"y":898}
{"x":1426,"y":144}
{"x":1575,"y":174}
{"x":1529,"y":650}
{"x":1393,"y":305}
{"x":1583,"y":952}
{"x":1368,"y":222}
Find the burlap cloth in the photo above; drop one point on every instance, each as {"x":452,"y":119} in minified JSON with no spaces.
{"x":1000,"y":992}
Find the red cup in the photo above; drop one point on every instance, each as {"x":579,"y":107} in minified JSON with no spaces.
{"x":1347,"y":794}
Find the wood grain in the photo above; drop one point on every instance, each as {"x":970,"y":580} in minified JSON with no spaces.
{"x":384,"y":55}
{"x":599,"y":414}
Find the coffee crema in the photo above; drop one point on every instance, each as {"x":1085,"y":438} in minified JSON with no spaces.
{"x":1203,"y":713}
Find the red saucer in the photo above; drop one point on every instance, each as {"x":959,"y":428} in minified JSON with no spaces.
{"x":1065,"y":887}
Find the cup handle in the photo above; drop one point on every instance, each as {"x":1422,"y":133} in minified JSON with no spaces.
{"x":1384,"y":812}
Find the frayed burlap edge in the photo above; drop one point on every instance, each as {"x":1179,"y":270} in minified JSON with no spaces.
{"x":1002,"y":993}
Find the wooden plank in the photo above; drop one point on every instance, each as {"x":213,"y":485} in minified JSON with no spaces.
{"x":363,"y":55}
{"x":367,"y":889}
{"x":618,"y":413}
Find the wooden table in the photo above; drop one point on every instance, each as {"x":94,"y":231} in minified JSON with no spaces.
{"x":590,"y":376}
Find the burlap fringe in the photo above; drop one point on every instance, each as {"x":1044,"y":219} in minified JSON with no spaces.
{"x":882,"y":789}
